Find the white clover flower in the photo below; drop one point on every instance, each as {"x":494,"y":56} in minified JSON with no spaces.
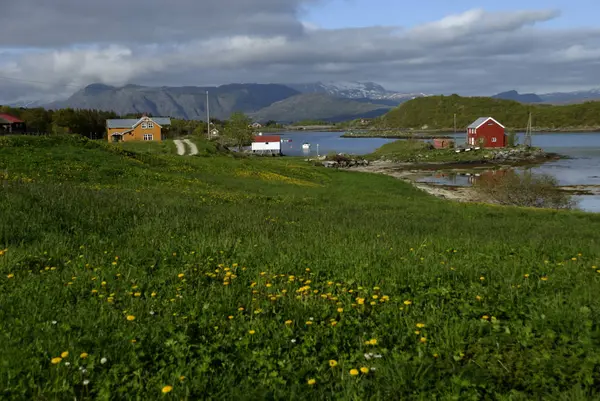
{"x":54,"y":322}
{"x":378,"y":356}
{"x":67,"y":363}
{"x":86,"y":382}
{"x":373,"y":369}
{"x":294,"y":340}
{"x":103,"y":360}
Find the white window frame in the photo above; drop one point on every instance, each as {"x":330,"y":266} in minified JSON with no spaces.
{"x":150,"y":125}
{"x":144,"y":125}
{"x":148,"y":137}
{"x":494,"y":139}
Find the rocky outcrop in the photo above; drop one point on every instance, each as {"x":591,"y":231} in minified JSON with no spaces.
{"x":345,"y":163}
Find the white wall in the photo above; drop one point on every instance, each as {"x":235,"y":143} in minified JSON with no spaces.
{"x":266,"y":146}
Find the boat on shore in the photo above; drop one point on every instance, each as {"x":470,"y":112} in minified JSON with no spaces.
{"x":306,"y":145}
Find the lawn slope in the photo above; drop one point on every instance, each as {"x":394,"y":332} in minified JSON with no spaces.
{"x":246,"y":278}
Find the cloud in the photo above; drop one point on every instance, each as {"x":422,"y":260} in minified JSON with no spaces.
{"x":191,"y":42}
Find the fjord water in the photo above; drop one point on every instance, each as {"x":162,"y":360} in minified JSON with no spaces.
{"x":582,"y":167}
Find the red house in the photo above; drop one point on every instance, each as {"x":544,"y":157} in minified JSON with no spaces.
{"x":10,"y":124}
{"x":486,"y":132}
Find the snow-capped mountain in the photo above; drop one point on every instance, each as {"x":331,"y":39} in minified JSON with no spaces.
{"x":571,"y":97}
{"x":354,"y":90}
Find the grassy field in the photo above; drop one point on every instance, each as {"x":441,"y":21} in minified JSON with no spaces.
{"x":149,"y":276}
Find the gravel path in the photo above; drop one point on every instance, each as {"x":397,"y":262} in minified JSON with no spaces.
{"x":180,"y":147}
{"x":193,"y":147}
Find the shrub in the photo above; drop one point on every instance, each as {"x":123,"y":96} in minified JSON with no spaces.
{"x":528,"y":190}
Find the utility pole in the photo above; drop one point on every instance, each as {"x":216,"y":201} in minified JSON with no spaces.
{"x":207,"y":117}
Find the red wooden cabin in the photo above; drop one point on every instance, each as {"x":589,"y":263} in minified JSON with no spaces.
{"x":486,"y":132}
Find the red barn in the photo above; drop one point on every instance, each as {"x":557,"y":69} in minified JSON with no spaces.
{"x":486,"y":132}
{"x":10,"y":123}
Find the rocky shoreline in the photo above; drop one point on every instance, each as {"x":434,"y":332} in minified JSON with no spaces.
{"x":410,"y":172}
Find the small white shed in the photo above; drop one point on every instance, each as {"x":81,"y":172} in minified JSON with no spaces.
{"x":267,"y":144}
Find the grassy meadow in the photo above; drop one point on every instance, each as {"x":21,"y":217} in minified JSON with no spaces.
{"x":145,"y":275}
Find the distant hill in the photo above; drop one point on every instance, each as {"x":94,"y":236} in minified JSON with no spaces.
{"x":187,"y":102}
{"x":571,"y":97}
{"x":361,"y":91}
{"x":318,"y":106}
{"x":437,"y":112}
{"x":516,"y":96}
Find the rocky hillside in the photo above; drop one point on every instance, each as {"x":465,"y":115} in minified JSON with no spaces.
{"x":318,"y":106}
{"x":188,"y":102}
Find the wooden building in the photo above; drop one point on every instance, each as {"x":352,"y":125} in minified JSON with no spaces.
{"x":143,"y":129}
{"x":486,"y":132}
{"x":11,"y":124}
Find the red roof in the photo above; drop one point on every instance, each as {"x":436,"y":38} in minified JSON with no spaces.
{"x":267,"y":138}
{"x":9,"y":118}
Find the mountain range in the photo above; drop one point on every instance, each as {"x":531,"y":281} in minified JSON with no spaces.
{"x":327,"y":101}
{"x":551,"y":98}
{"x":280,"y":102}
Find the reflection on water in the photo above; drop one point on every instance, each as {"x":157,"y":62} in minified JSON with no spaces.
{"x":581,"y":168}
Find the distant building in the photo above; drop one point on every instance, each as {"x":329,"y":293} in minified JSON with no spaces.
{"x":267,"y":144}
{"x":443,"y":143}
{"x":214,"y":133}
{"x":11,"y":124}
{"x":144,"y":129}
{"x":486,"y":132}
{"x":256,"y":125}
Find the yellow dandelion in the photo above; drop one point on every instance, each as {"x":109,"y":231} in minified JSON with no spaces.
{"x":130,"y":318}
{"x":340,"y":310}
{"x":56,"y":360}
{"x":167,"y":389}
{"x":544,"y":278}
{"x":240,"y":309}
{"x":137,"y":294}
{"x":481,"y":278}
{"x":478,"y":298}
{"x":420,"y":325}
{"x":373,"y":341}
{"x":229,"y":317}
{"x":288,"y":322}
{"x":353,"y":372}
{"x":417,"y":332}
{"x":333,"y":363}
{"x":311,"y":382}
{"x":423,"y":340}
{"x":11,"y":275}
{"x":83,"y":355}
{"x":64,"y":354}
{"x":334,"y":323}
{"x":526,"y":275}
{"x":485,"y":317}
{"x":153,"y":294}
{"x":408,"y":302}
{"x":308,"y":322}
{"x":364,"y":369}
{"x":268,"y":285}
{"x":251,"y":331}
{"x":181,"y":378}
{"x":180,"y":275}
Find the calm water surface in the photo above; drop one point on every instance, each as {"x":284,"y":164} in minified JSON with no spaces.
{"x":582,"y":167}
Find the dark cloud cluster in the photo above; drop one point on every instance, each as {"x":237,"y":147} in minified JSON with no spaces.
{"x":200,"y":42}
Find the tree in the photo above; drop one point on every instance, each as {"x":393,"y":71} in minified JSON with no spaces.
{"x":238,"y":129}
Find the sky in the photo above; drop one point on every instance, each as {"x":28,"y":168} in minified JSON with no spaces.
{"x":50,"y":49}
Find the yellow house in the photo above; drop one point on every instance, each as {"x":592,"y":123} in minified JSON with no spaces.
{"x":144,"y":129}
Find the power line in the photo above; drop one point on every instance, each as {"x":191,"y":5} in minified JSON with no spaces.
{"x":37,"y":82}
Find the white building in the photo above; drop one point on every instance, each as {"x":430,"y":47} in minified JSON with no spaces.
{"x":267,"y":144}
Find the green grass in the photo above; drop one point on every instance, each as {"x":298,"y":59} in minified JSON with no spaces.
{"x":94,"y":234}
{"x":419,"y":151}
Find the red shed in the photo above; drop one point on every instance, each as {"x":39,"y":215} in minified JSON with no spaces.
{"x":486,"y":132}
{"x":10,"y":123}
